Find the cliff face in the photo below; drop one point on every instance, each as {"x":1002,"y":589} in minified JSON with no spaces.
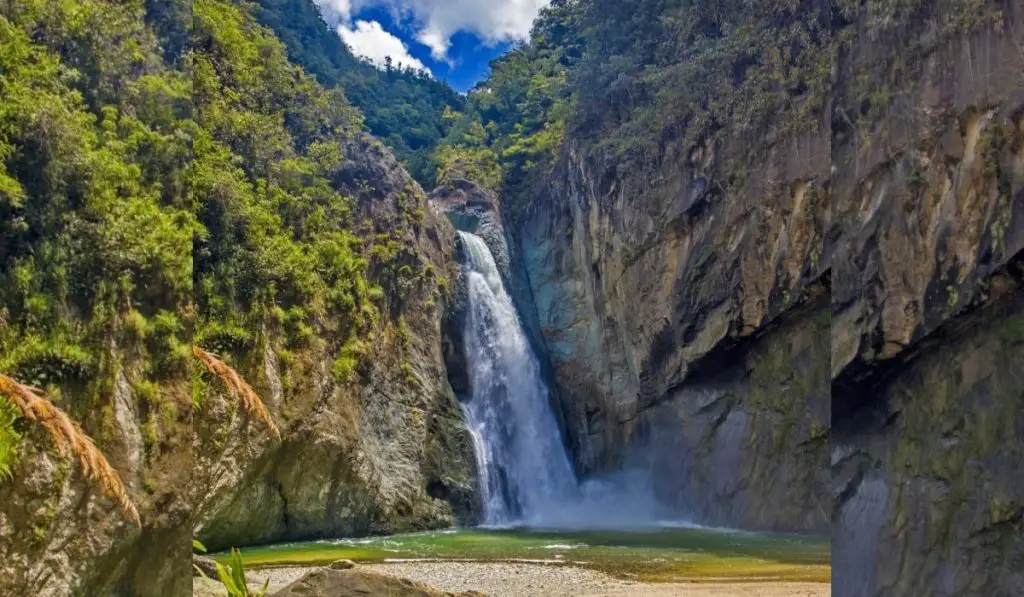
{"x":927,"y":215}
{"x":633,"y":292}
{"x":638,"y":288}
{"x":59,"y":533}
{"x":900,"y":203}
{"x":95,"y":300}
{"x":229,"y":202}
{"x":928,"y":491}
{"x":385,"y":452}
{"x":926,"y":195}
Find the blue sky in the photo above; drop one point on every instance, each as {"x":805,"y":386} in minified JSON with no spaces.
{"x":453,"y":39}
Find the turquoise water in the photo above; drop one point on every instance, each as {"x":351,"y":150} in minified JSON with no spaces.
{"x":661,"y":555}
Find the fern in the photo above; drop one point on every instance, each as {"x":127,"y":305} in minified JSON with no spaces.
{"x":237,"y":386}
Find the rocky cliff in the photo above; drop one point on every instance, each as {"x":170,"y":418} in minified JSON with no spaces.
{"x":384,"y":452}
{"x":663,"y":287}
{"x":644,"y":280}
{"x":927,"y":225}
{"x":636,"y":294}
{"x":95,"y":300}
{"x":928,"y":492}
{"x":161,"y":208}
{"x":926,"y":188}
{"x":60,"y":535}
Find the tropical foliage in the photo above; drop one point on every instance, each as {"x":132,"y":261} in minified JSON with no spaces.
{"x":639,"y":81}
{"x":237,"y":386}
{"x":10,"y":438}
{"x":96,"y":225}
{"x":278,"y":242}
{"x":232,"y":576}
{"x":94,"y":216}
{"x":515,"y":121}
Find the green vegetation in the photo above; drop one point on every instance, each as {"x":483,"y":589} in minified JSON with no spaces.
{"x":232,"y":576}
{"x":275,"y":234}
{"x":669,"y":555}
{"x":10,"y":438}
{"x":640,"y":81}
{"x":95,"y":220}
{"x":292,"y":244}
{"x":647,"y":83}
{"x":513,"y":127}
{"x":403,"y":108}
{"x":675,"y":73}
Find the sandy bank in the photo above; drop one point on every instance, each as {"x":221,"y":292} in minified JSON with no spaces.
{"x":520,"y":579}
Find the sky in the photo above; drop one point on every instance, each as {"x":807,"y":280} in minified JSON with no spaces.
{"x":451,"y":39}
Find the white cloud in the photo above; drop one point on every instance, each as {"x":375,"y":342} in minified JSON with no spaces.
{"x":336,"y":11}
{"x":436,"y":21}
{"x":369,"y":40}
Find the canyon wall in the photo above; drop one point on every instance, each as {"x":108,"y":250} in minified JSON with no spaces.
{"x":384,"y":452}
{"x":642,"y":282}
{"x":670,"y":301}
{"x":928,"y":491}
{"x":925,"y":239}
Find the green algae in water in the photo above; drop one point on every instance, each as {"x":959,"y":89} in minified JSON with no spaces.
{"x":664,"y":555}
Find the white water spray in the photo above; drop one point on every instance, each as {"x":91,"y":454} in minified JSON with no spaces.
{"x":526,"y":478}
{"x":524,"y":469}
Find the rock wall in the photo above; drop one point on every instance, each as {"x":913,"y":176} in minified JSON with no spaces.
{"x":60,"y":535}
{"x":926,"y":195}
{"x":634,"y":286}
{"x":929,"y":495}
{"x":901,"y":198}
{"x":385,"y":452}
{"x":927,"y":214}
{"x":745,"y":441}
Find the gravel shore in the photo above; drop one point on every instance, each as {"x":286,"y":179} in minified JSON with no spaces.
{"x":279,"y":577}
{"x":528,"y":579}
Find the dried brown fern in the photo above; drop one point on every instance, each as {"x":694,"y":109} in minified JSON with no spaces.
{"x":237,"y":386}
{"x":70,"y":440}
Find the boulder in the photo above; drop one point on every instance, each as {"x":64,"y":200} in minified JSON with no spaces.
{"x":327,"y":582}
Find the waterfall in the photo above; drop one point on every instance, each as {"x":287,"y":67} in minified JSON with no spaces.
{"x":523,"y":466}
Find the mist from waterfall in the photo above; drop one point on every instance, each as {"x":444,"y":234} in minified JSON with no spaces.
{"x":525,"y":475}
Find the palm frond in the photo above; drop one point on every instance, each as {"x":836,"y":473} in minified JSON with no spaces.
{"x":237,"y":386}
{"x":70,"y":440}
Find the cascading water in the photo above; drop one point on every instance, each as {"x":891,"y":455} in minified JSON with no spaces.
{"x":524,"y":470}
